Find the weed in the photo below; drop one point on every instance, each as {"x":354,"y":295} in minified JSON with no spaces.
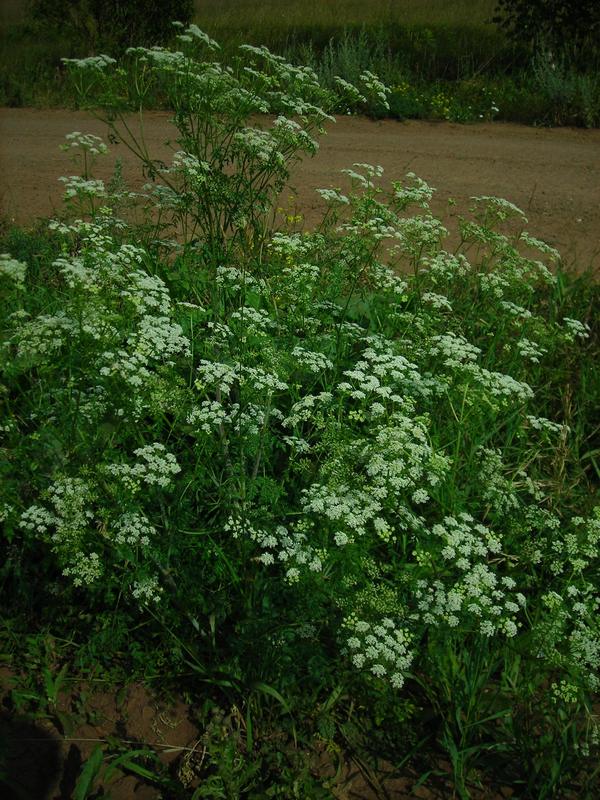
{"x":312,"y":468}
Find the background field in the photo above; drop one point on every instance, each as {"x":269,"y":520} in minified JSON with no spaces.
{"x":444,"y":61}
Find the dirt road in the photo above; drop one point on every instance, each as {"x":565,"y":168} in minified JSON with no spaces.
{"x":553,"y":175}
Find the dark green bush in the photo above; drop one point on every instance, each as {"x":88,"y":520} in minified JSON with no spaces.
{"x":115,"y":23}
{"x":557,"y":22}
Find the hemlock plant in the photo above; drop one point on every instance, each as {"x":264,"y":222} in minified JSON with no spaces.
{"x":341,"y":442}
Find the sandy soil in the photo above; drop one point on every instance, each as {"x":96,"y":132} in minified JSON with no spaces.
{"x":552,"y":174}
{"x":45,"y":755}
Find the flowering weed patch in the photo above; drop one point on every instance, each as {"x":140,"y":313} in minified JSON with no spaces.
{"x":342,"y":462}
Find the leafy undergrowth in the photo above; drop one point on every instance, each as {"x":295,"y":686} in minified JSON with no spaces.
{"x":442,"y":61}
{"x":334,"y":485}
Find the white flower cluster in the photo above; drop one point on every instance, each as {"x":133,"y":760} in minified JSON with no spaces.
{"x":292,"y":245}
{"x":45,"y":335}
{"x":446,"y":267}
{"x":381,"y":648}
{"x":575,"y":549}
{"x":476,"y":593}
{"x":515,"y":310}
{"x":386,"y":280}
{"x":76,"y":274}
{"x":538,"y":244}
{"x":86,"y":141}
{"x":146,"y":293}
{"x":297,"y":286}
{"x":190,"y":167}
{"x":400,"y":457}
{"x":156,"y":339}
{"x":94,"y":234}
{"x":576,"y":329}
{"x":498,"y":208}
{"x":66,"y":527}
{"x":218,"y":375}
{"x":155,"y":467}
{"x":251,"y":321}
{"x":261,"y":380}
{"x":85,"y":569}
{"x":296,"y":444}
{"x":147,"y":590}
{"x":208,"y":416}
{"x":287,"y":545}
{"x":348,"y":91}
{"x":133,"y":529}
{"x":418,"y":192}
{"x":365,"y":181}
{"x":496,"y":490}
{"x":13,"y":269}
{"x":546,"y":425}
{"x":333,"y":196}
{"x":572,"y":620}
{"x":385,"y":374}
{"x":351,"y":510}
{"x":419,"y":235}
{"x":304,"y":409}
{"x":375,"y":88}
{"x":460,"y":354}
{"x":438,"y":301}
{"x":497,"y":242}
{"x":311,"y":360}
{"x":236,"y":279}
{"x":37,"y":519}
{"x":161,"y":59}
{"x":94,"y":63}
{"x":76,"y":186}
{"x":193,"y":32}
{"x":222,"y":377}
{"x":258,"y":144}
{"x":532,"y":351}
{"x":502,"y":386}
{"x":289,"y":134}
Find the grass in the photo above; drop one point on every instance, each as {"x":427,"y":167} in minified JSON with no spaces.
{"x":435,"y":39}
{"x":312,"y":13}
{"x":443,"y":60}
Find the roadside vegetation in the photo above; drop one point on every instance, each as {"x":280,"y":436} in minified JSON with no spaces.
{"x":443,"y":61}
{"x":338,"y":488}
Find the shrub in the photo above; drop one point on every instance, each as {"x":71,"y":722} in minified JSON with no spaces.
{"x":112,"y":23}
{"x":557,"y":22}
{"x":302,"y":465}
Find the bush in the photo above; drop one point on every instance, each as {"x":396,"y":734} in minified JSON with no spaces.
{"x":112,"y":23}
{"x":340,"y":460}
{"x":555,"y":22}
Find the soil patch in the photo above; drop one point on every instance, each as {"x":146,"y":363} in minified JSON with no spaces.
{"x":43,"y":756}
{"x":552,"y":174}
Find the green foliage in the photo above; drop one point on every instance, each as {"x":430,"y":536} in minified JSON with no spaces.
{"x":314,"y":467}
{"x":111,"y":23}
{"x":559,"y":22}
{"x":456,"y":64}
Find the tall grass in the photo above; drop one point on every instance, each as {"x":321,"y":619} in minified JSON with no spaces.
{"x":316,"y":13}
{"x":445,"y":60}
{"x":432,"y":39}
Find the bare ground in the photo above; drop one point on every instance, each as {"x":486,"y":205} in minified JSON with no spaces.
{"x":45,"y":754}
{"x":552,"y":174}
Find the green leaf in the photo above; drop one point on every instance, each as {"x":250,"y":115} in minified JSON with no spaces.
{"x":125,"y":762}
{"x":266,"y":689}
{"x":90,"y":771}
